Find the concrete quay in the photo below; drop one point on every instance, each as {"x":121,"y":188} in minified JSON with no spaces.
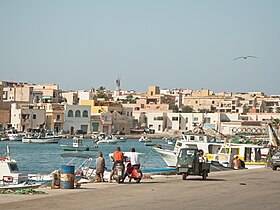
{"x":243,"y":189}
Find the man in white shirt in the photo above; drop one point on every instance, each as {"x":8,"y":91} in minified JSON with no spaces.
{"x":134,"y":159}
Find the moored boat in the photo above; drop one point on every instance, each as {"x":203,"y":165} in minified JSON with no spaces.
{"x":41,"y":138}
{"x":144,"y":139}
{"x":202,"y":141}
{"x":77,"y":145}
{"x":10,"y":176}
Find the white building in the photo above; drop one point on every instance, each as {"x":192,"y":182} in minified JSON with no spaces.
{"x":77,"y":117}
{"x":157,"y":121}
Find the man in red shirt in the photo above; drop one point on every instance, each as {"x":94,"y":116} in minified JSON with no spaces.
{"x":118,"y":158}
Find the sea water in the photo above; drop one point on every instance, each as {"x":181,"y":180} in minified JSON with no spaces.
{"x":44,"y":158}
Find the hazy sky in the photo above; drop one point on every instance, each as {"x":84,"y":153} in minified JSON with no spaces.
{"x":173,"y":44}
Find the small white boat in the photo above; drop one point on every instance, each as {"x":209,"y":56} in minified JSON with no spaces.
{"x":107,"y":141}
{"x":77,"y":145}
{"x":10,"y":176}
{"x":121,"y":139}
{"x":144,"y":139}
{"x":13,"y":135}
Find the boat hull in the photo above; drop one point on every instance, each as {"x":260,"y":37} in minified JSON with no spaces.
{"x":70,"y":148}
{"x":49,"y":140}
{"x":169,"y":157}
{"x":19,"y":186}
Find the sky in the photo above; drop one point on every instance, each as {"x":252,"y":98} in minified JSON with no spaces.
{"x":83,"y":44}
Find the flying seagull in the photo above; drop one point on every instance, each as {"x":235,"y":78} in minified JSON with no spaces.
{"x":245,"y":57}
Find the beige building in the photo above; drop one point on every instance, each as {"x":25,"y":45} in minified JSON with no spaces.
{"x":4,"y":111}
{"x":54,"y":116}
{"x":25,"y":117}
{"x":50,"y":92}
{"x":98,"y":107}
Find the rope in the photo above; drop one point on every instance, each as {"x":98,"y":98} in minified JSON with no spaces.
{"x":146,"y":158}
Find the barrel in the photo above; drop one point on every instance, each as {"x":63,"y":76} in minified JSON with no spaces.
{"x":67,"y":176}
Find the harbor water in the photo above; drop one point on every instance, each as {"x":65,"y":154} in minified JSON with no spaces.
{"x":45,"y":158}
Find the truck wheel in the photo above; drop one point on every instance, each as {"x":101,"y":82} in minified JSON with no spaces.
{"x":204,"y":175}
{"x":274,"y":168}
{"x":184,"y":176}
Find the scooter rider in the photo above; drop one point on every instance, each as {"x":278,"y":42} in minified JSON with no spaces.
{"x":134,"y":163}
{"x":118,"y":158}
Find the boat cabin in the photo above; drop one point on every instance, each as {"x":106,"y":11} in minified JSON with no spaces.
{"x":249,"y":153}
{"x":77,"y":142}
{"x":9,"y":172}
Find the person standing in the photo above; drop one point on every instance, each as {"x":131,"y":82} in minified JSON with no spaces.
{"x":100,"y":167}
{"x":134,"y":159}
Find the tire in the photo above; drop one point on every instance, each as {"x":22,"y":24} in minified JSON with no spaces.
{"x":184,"y":176}
{"x":204,"y":175}
{"x":118,"y":180}
{"x":274,"y":168}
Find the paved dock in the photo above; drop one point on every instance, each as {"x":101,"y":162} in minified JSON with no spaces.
{"x":243,"y":189}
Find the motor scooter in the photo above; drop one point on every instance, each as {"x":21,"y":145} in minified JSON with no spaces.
{"x":118,"y":173}
{"x":133,"y":172}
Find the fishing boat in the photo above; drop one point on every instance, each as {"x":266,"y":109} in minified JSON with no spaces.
{"x":41,"y":138}
{"x":10,"y":176}
{"x":202,"y":141}
{"x":77,"y":145}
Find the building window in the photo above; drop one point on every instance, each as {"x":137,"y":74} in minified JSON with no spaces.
{"x":70,"y":113}
{"x":207,"y":119}
{"x":159,"y":127}
{"x":58,"y":117}
{"x":85,"y":113}
{"x":175,"y":118}
{"x":158,"y":118}
{"x":187,"y":120}
{"x":34,"y":116}
{"x":78,"y":113}
{"x":213,"y":102}
{"x":195,"y":119}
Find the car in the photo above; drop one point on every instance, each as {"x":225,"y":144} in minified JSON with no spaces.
{"x":80,"y":132}
{"x":276,"y":160}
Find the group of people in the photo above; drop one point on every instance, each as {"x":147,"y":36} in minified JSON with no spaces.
{"x":118,"y":158}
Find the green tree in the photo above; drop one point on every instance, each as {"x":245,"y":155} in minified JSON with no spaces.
{"x":101,"y":93}
{"x":245,"y":109}
{"x":187,"y":109}
{"x":174,"y":108}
